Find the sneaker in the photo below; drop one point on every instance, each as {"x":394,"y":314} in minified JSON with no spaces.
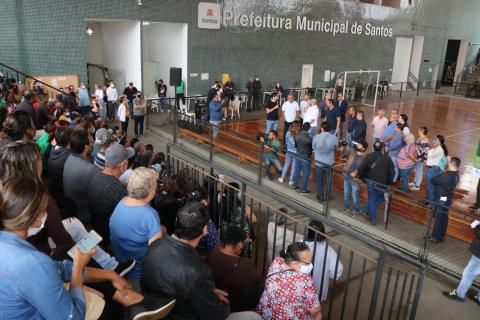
{"x":296,"y":189}
{"x":304,"y":192}
{"x":411,"y":184}
{"x":344,"y":210}
{"x":151,"y":308}
{"x":453,"y":295}
{"x":290,"y":183}
{"x":280,"y":180}
{"x":414,"y":188}
{"x":474,"y":207}
{"x":269,"y":178}
{"x":125,"y":267}
{"x":356,"y":212}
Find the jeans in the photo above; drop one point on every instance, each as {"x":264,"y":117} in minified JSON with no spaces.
{"x":312,"y":131}
{"x":138,"y":120}
{"x":130,"y":107}
{"x":342,"y":128}
{"x":431,"y":172}
{"x":375,"y":198}
{"x":289,"y":160}
{"x":393,"y":155}
{"x":271,"y":125}
{"x":405,"y":175}
{"x":276,"y":164}
{"x":110,"y":110}
{"x":250,"y":102}
{"x":286,"y":126}
{"x":124,"y":126}
{"x":320,"y":172}
{"x":102,"y":109}
{"x":179,"y":96}
{"x":440,"y":213}
{"x":351,"y":189}
{"x":419,"y":173}
{"x":215,"y":128}
{"x":77,"y":231}
{"x":471,"y":271}
{"x":301,"y":165}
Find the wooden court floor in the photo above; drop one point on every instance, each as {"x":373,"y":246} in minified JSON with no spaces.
{"x":456,"y":119}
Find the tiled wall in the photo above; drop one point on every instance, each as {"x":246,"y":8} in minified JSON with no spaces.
{"x":48,"y":36}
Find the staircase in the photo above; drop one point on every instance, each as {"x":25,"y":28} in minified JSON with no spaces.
{"x":471,"y":78}
{"x":10,"y":72}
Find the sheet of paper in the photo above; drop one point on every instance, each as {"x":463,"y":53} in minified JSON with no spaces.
{"x":204,"y":76}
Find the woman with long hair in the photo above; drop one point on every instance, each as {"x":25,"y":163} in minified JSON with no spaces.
{"x":32,"y":284}
{"x":291,"y":151}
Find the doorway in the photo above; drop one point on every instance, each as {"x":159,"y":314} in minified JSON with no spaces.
{"x":164,"y":47}
{"x":450,"y":65}
{"x":307,"y":75}
{"x":401,"y":62}
{"x":113,"y":53}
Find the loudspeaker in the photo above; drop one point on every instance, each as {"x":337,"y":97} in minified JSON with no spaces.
{"x":175,"y":76}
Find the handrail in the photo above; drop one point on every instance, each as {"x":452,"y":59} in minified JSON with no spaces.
{"x":28,"y":76}
{"x":411,"y":75}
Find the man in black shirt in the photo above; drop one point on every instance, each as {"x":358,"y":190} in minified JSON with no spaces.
{"x":445,"y":184}
{"x":271,"y":108}
{"x":130,"y":92}
{"x":302,"y":158}
{"x":105,"y":189}
{"x":257,"y":86}
{"x":378,"y":169}
{"x":162,"y":93}
{"x":332,"y":116}
{"x":42,"y":112}
{"x":27,"y":106}
{"x":173,"y":269}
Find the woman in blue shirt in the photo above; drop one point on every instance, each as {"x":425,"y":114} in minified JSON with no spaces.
{"x":32,"y":284}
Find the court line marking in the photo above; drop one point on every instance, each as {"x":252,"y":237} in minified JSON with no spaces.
{"x":460,"y":133}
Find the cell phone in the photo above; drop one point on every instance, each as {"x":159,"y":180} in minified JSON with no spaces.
{"x":87,"y":243}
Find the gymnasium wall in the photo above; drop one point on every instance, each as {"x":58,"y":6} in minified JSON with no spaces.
{"x":48,"y":36}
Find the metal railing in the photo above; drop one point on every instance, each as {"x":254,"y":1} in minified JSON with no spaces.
{"x":20,"y":77}
{"x":405,"y":234}
{"x":356,"y":277}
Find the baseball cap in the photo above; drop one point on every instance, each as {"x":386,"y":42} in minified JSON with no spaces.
{"x":117,"y":153}
{"x":103,"y":136}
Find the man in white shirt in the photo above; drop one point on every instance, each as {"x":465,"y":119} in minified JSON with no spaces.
{"x":112,"y":97}
{"x":379,"y":125}
{"x":304,"y":104}
{"x":290,"y":111}
{"x":99,"y":94}
{"x":311,"y":116}
{"x":280,"y":236}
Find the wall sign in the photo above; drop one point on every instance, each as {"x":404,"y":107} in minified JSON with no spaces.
{"x":209,"y":15}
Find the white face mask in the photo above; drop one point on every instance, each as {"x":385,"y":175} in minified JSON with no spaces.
{"x":306,"y":269}
{"x":34,"y":231}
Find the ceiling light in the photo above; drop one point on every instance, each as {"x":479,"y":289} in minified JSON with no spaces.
{"x":145,"y":23}
{"x":89,"y":31}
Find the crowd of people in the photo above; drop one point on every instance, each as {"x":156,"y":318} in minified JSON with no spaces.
{"x":64,"y":171}
{"x":161,"y":246}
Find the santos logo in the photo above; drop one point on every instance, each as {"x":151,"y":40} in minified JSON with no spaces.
{"x":209,"y":16}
